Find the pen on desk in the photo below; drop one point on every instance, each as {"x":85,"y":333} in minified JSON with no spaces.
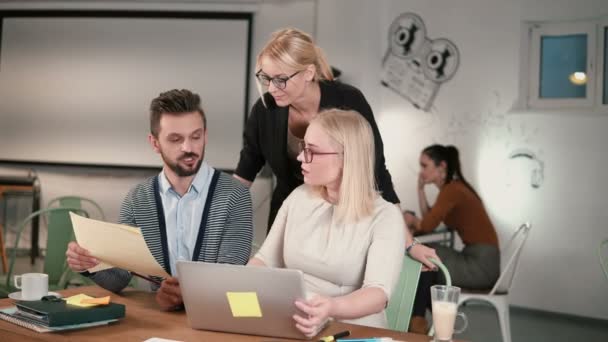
{"x":332,"y":338}
{"x":371,"y":339}
{"x":146,"y":278}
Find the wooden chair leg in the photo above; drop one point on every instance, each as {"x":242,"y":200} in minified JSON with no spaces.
{"x":3,"y":251}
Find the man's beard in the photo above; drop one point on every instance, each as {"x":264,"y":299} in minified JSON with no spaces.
{"x":179,"y":170}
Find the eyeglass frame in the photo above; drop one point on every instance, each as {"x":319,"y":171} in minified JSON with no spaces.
{"x":274,"y":80}
{"x":308,"y":152}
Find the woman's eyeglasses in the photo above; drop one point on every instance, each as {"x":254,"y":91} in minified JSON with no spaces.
{"x":279,"y":81}
{"x":308,"y":153}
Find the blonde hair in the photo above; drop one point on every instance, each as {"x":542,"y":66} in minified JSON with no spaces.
{"x":295,"y":49}
{"x":354,"y":135}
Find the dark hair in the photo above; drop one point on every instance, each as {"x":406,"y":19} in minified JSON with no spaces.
{"x":174,"y":102}
{"x":448,"y":154}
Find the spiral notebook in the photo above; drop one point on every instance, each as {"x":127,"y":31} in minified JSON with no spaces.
{"x":10,"y":314}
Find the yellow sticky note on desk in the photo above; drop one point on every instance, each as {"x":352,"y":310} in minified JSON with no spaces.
{"x":99,"y":301}
{"x":76,"y":300}
{"x":244,"y":304}
{"x":85,"y":301}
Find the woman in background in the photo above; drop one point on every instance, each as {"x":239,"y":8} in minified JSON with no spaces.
{"x":459,"y":206}
{"x":295,"y":83}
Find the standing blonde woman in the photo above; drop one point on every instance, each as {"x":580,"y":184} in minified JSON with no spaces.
{"x":295,"y":83}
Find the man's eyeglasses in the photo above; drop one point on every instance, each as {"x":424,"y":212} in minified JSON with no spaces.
{"x":308,"y":153}
{"x":279,"y":81}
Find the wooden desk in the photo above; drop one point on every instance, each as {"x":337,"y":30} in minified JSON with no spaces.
{"x":144,"y":320}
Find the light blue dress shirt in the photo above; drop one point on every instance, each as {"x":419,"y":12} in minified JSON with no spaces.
{"x":183,"y":214}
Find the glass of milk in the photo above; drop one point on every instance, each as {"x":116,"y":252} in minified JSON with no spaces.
{"x":445,"y":304}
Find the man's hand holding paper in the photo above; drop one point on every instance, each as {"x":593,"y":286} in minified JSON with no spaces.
{"x":79,"y":259}
{"x":102,"y":245}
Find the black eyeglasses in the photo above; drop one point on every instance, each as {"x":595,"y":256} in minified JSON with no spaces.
{"x":308,"y":153}
{"x":279,"y":81}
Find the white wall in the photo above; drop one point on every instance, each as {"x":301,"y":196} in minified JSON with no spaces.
{"x":559,"y":270}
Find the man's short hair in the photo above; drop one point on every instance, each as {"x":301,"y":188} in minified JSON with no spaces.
{"x":174,"y":102}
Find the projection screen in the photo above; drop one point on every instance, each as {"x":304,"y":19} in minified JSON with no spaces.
{"x":75,"y":88}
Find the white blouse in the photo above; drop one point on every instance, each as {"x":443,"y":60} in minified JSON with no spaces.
{"x":337,"y":258}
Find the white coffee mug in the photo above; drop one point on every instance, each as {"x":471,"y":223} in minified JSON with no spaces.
{"x":33,"y":286}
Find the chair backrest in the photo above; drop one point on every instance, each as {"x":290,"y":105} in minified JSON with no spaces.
{"x":59,"y":234}
{"x":78,"y":202}
{"x":511,"y":253}
{"x":399,"y":310}
{"x":604,"y":258}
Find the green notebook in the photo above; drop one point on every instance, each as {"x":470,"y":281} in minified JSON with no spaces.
{"x":57,"y":312}
{"x":11,"y":315}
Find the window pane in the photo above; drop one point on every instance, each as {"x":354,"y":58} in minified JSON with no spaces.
{"x":563,"y":68}
{"x":605,"y":65}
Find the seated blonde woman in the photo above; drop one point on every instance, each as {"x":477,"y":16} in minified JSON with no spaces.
{"x":336,"y":228}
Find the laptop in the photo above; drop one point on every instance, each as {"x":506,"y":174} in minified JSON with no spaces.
{"x":241,"y":299}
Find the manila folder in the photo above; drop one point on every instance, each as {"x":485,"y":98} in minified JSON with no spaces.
{"x":115,"y":245}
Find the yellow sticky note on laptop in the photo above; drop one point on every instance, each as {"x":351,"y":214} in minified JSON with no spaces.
{"x":244,"y":304}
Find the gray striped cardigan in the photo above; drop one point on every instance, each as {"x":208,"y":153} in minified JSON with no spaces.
{"x":224,"y":235}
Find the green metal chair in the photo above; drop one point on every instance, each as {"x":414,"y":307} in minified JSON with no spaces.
{"x":399,"y":310}
{"x":78,"y":202}
{"x":604,"y":259}
{"x":73,"y":278}
{"x":60,"y":233}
